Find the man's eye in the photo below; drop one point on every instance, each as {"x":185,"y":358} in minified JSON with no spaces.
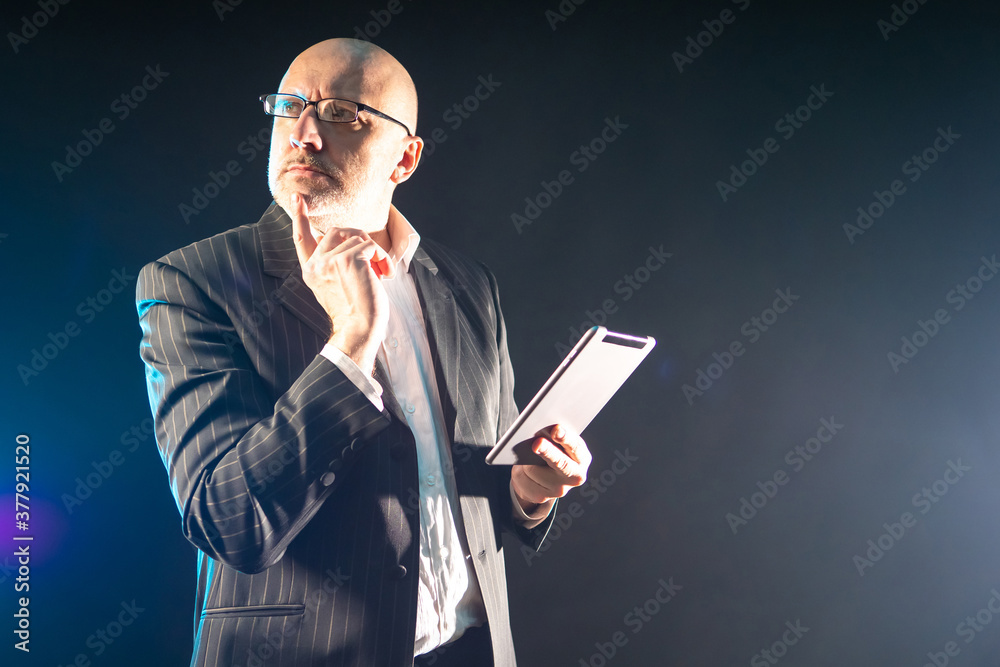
{"x":288,"y":107}
{"x":340,"y":112}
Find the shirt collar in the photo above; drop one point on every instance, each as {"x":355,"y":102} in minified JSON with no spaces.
{"x":403,"y":237}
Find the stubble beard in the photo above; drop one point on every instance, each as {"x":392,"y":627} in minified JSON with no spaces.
{"x":345,"y":199}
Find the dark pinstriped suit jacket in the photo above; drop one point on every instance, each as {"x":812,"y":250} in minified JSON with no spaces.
{"x":299,"y":494}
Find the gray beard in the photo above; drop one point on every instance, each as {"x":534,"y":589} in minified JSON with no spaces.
{"x":330,"y":206}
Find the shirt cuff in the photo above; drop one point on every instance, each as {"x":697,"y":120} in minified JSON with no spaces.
{"x":526,"y":520}
{"x":368,"y":385}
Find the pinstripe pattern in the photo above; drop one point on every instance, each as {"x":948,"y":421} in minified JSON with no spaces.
{"x":288,"y":479}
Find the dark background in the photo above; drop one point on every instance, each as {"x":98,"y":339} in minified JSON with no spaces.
{"x":664,"y":517}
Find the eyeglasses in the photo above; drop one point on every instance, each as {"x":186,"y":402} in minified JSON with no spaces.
{"x":332,"y":109}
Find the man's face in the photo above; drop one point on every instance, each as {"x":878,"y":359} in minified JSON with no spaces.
{"x":343,"y":170}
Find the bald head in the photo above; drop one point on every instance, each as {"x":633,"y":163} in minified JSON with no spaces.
{"x":345,"y":172}
{"x":356,"y":70}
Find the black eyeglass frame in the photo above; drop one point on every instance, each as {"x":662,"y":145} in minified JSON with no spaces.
{"x":360,"y":107}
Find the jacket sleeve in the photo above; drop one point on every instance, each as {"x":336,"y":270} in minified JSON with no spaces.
{"x":247,"y":471}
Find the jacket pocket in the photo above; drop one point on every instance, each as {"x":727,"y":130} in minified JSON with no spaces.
{"x":255,"y":610}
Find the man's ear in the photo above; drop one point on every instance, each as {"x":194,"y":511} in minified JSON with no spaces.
{"x":408,"y":161}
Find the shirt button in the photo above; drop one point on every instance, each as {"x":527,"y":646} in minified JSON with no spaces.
{"x":394,"y":342}
{"x":398,"y":572}
{"x":410,"y":408}
{"x":327,"y":478}
{"x":431,"y":480}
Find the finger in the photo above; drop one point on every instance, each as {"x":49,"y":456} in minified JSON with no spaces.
{"x":569,"y":471}
{"x":542,"y":483}
{"x":357,"y":249}
{"x":378,"y":253}
{"x":335,"y":242}
{"x":341,"y":235}
{"x":345,"y":239}
{"x":571,"y":443}
{"x":302,"y":236}
{"x":528,"y":488}
{"x":338,"y":235}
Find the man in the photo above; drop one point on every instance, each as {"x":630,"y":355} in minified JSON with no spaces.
{"x":325,"y":386}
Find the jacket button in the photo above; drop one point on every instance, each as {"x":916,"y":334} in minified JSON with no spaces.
{"x":336,"y":465}
{"x":357,"y":444}
{"x":327,"y":478}
{"x":398,"y":572}
{"x":347,"y":454}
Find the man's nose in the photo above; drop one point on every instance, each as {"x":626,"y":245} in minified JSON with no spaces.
{"x":305,"y":133}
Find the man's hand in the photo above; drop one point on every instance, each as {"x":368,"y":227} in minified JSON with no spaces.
{"x":342,"y":269}
{"x":566,"y":462}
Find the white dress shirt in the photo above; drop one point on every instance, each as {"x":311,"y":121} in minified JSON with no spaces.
{"x":449,"y":600}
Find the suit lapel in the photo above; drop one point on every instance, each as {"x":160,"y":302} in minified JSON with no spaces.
{"x":438,"y":302}
{"x":441,"y":313}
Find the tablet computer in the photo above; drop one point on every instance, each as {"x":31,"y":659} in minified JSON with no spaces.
{"x":573,"y":395}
